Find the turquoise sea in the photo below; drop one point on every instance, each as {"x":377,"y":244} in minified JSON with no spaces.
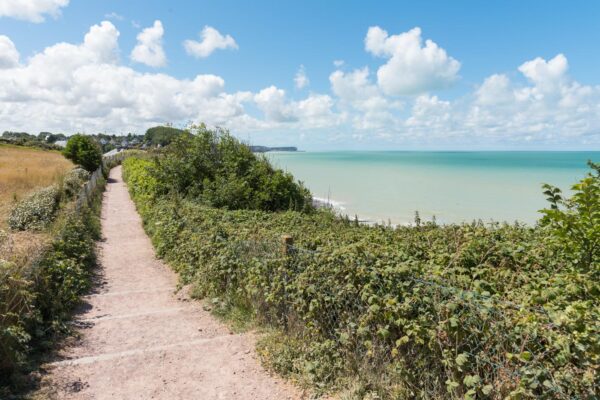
{"x":382,"y":186}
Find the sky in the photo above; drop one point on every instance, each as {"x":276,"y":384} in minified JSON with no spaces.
{"x":320,"y":75}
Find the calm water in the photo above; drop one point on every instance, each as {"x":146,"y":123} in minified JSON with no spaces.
{"x":453,"y":186}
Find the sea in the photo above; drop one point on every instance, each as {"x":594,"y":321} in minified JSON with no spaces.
{"x":452,"y":186}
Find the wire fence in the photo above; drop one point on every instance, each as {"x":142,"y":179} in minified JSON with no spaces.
{"x":85,"y":194}
{"x":496,"y":340}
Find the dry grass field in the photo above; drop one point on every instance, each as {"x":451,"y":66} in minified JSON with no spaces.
{"x":22,"y":171}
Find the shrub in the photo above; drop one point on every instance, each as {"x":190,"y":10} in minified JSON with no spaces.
{"x":162,"y":135}
{"x":83,"y":151}
{"x":36,"y":211}
{"x":17,"y":312}
{"x":214,"y":168}
{"x":74,"y":181}
{"x":575,"y":222}
{"x":36,"y":299}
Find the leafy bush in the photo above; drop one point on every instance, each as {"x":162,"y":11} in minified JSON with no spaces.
{"x":74,"y":181}
{"x":214,"y":168}
{"x":36,"y":211}
{"x":575,"y":222}
{"x":454,"y":311}
{"x":83,"y":151}
{"x":65,"y":269}
{"x":36,"y":299}
{"x":16,"y":311}
{"x":162,"y":135}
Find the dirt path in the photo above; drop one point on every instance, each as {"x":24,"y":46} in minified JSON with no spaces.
{"x":141,"y":340}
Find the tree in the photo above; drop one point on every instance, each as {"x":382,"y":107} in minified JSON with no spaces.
{"x":83,"y":151}
{"x":213,"y":167}
{"x":162,"y":135}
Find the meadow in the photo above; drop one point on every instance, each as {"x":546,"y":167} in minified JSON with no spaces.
{"x":24,"y":169}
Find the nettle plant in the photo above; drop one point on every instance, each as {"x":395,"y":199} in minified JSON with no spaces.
{"x":575,"y":221}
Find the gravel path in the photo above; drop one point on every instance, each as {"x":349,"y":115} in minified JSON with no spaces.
{"x":139,"y":339}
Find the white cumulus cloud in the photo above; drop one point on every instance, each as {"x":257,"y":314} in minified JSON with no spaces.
{"x":546,"y":73}
{"x":149,"y":49}
{"x":9,"y":56}
{"x":301,"y":79}
{"x":412,"y":67}
{"x":362,"y":99}
{"x":84,"y":87}
{"x":212,"y":40}
{"x":31,"y":10}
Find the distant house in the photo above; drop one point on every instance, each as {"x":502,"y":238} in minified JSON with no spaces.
{"x":61,"y":143}
{"x":112,"y":152}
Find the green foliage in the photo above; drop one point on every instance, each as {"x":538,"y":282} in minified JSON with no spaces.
{"x":18,"y":135}
{"x":83,"y":151}
{"x":162,"y":135}
{"x":36,"y":299}
{"x":16,"y":310}
{"x":214,"y":168}
{"x":36,"y":211}
{"x":575,"y":222}
{"x":64,"y":271}
{"x":74,"y":181}
{"x":451,"y":311}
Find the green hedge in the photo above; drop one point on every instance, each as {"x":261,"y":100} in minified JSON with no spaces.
{"x":36,"y":300}
{"x":454,"y":311}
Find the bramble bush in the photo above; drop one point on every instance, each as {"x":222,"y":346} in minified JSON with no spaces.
{"x":452,"y":311}
{"x":74,"y":181}
{"x":575,"y":221}
{"x":36,"y":211}
{"x":36,"y":299}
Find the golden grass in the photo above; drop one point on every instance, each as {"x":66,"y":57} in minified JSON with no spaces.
{"x":24,"y":169}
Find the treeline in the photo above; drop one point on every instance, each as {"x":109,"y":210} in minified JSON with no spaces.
{"x":157,"y":136}
{"x":44,"y":140}
{"x":51,"y":141}
{"x":454,"y":311}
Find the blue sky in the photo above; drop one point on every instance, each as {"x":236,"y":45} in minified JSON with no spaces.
{"x":472,"y":88}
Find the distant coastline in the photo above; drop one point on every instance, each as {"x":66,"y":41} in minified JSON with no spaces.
{"x":266,"y":149}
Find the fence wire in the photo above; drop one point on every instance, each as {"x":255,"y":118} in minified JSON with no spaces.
{"x":492,"y":334}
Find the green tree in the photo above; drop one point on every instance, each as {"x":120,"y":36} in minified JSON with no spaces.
{"x":83,"y":151}
{"x":162,"y":135}
{"x":214,"y":168}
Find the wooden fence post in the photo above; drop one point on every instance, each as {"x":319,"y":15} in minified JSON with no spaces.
{"x":287,"y":241}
